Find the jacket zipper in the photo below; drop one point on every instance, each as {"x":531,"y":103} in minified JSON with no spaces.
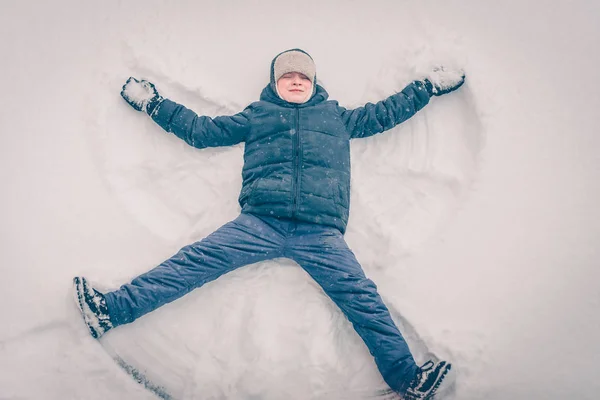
{"x":296,"y":177}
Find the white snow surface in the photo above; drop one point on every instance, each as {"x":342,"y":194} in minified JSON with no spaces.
{"x":478,"y":219}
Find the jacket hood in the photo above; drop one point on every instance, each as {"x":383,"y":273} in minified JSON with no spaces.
{"x":319,"y":95}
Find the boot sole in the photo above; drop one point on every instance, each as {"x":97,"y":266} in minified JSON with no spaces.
{"x":431,"y":394}
{"x":84,"y":309}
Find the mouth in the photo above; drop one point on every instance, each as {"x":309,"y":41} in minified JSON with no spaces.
{"x":296,"y":91}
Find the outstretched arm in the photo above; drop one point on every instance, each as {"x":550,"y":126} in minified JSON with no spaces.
{"x":375,"y":118}
{"x":197,"y":131}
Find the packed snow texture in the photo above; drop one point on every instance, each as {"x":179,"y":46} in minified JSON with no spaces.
{"x":478,"y":219}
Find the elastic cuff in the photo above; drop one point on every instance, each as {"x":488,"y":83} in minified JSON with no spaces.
{"x":110,"y":304}
{"x":153,"y":105}
{"x":429,"y":87}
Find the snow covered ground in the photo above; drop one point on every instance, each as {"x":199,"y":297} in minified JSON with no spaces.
{"x":478,"y":219}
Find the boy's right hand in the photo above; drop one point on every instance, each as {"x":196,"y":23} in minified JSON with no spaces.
{"x":443,"y":80}
{"x":141,"y":95}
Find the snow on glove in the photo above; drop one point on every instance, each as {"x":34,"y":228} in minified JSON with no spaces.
{"x":443,"y":80}
{"x":141,"y":95}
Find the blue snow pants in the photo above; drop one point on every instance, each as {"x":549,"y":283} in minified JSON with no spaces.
{"x":320,"y":250}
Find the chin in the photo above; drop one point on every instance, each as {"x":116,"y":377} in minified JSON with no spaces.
{"x":298,"y":99}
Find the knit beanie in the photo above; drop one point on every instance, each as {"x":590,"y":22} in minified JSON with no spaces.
{"x":293,"y":60}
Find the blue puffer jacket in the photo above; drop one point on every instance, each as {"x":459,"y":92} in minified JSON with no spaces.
{"x":297,"y":156}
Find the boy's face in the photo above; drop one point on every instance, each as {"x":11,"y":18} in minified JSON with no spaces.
{"x":294,"y":87}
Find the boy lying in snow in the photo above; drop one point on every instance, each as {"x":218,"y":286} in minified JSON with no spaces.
{"x":295,"y":201}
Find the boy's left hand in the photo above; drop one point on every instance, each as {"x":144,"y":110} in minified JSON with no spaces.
{"x":444,"y":80}
{"x":141,"y":95}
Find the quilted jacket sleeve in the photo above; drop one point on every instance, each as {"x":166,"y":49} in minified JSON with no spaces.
{"x":375,"y":118}
{"x":201,"y":131}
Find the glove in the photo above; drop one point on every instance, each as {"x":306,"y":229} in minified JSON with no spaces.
{"x":443,"y":80}
{"x":141,"y":95}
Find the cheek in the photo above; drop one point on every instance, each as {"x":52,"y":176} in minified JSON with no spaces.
{"x":281,"y":84}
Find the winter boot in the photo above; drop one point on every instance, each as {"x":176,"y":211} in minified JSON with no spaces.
{"x":428,"y":380}
{"x":93,"y":307}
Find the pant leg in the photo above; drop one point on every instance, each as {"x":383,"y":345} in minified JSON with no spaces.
{"x":245,"y":240}
{"x":324,"y":254}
